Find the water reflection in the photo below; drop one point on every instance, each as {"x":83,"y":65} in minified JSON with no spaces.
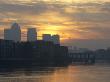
{"x":94,"y":73}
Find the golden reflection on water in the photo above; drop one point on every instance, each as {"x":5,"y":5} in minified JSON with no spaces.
{"x":70,"y":74}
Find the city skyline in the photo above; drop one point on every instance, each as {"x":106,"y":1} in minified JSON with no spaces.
{"x":79,"y":23}
{"x":14,"y":34}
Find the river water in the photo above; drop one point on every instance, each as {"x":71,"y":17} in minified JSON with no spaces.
{"x":72,"y":73}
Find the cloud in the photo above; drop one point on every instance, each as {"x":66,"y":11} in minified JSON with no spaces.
{"x":88,"y":43}
{"x":81,"y":20}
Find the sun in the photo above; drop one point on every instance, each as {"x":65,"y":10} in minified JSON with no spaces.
{"x":50,"y":29}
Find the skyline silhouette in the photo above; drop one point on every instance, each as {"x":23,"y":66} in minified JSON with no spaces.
{"x":74,"y":21}
{"x":54,"y":40}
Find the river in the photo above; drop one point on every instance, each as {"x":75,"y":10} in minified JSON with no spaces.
{"x":72,"y":73}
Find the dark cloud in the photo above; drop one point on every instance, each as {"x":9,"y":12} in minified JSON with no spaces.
{"x":84,"y":19}
{"x":26,"y":9}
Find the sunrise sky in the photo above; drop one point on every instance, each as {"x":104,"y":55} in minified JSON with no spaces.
{"x":82,"y":23}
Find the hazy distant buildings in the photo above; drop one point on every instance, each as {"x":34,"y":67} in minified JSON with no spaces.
{"x":74,"y":49}
{"x":47,"y":37}
{"x":13,"y":34}
{"x":31,"y":34}
{"x":56,"y":39}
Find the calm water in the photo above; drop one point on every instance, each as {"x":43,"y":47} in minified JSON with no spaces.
{"x":93,"y":73}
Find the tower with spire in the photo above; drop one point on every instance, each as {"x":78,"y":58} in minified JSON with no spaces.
{"x":14,"y":33}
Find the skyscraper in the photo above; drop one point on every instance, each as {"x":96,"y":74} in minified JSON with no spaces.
{"x":56,"y":39}
{"x":47,"y":37}
{"x":13,"y":34}
{"x":8,"y":34}
{"x":31,"y":34}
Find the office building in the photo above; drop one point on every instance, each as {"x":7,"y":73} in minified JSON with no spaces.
{"x":14,"y":33}
{"x":6,"y":49}
{"x":47,"y":37}
{"x":8,"y":34}
{"x":31,"y":34}
{"x":56,"y":39}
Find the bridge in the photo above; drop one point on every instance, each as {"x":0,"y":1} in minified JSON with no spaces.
{"x":82,"y":58}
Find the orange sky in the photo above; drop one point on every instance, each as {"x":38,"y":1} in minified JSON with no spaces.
{"x":71,"y":19}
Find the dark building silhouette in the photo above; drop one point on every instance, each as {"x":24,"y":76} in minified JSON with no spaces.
{"x":103,"y":55}
{"x":6,"y":49}
{"x":14,"y":33}
{"x":37,"y":53}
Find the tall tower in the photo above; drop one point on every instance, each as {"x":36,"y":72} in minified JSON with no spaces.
{"x":8,"y":34}
{"x":47,"y":37}
{"x":31,"y":34}
{"x":14,"y":33}
{"x":56,"y":39}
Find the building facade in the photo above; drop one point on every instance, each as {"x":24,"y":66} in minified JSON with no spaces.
{"x":56,"y":39}
{"x":14,"y":33}
{"x":47,"y":37}
{"x":31,"y":34}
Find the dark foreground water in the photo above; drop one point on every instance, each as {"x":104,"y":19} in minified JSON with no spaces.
{"x":80,"y":73}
